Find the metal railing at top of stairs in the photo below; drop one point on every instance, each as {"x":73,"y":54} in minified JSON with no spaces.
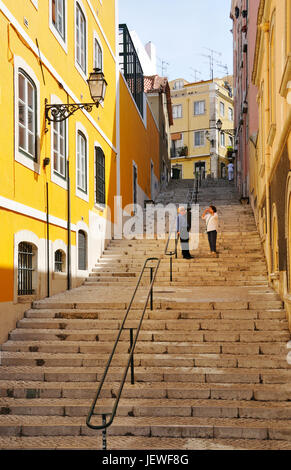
{"x":193,"y":193}
{"x":130,"y":363}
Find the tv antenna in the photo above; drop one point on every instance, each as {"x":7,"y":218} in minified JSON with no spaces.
{"x":163,"y":66}
{"x":196,"y":72}
{"x":211,"y":59}
{"x":224,"y":67}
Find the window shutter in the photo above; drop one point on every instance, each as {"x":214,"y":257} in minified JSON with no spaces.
{"x":82,"y":251}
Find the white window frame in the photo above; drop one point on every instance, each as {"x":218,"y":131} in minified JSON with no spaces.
{"x":79,"y":192}
{"x":203,"y":140}
{"x":82,"y":72}
{"x":178,"y":85}
{"x":230,"y":114}
{"x":62,"y":41}
{"x":222,"y":139}
{"x":20,"y":157}
{"x":56,"y":177}
{"x":177,"y":106}
{"x":221,"y":107}
{"x":97,"y":38}
{"x":199,"y":103}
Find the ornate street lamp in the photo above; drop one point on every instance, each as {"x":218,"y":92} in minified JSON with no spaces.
{"x":97,"y":87}
{"x":231,"y":132}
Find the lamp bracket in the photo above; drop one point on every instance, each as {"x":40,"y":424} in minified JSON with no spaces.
{"x":231,"y":132}
{"x":61,"y":112}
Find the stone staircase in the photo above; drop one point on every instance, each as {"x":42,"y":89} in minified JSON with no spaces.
{"x":211,"y":364}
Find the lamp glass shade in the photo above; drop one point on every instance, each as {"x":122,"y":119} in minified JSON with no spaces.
{"x":97,"y":85}
{"x":219,"y":124}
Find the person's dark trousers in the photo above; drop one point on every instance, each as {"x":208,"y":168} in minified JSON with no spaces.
{"x":185,"y":247}
{"x":212,"y":236}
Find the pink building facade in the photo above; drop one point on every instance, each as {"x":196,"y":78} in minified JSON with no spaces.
{"x":244,"y":15}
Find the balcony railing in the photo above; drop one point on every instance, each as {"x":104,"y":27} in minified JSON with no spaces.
{"x":130,"y":66}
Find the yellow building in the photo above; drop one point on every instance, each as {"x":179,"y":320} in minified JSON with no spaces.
{"x":270,"y":182}
{"x":196,"y":142}
{"x":59,"y":179}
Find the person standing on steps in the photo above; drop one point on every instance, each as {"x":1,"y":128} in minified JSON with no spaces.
{"x":211,"y":218}
{"x":183,"y":232}
{"x":230,"y":171}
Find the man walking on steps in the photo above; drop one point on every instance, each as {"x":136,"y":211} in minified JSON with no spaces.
{"x":211,"y":218}
{"x":183,"y":232}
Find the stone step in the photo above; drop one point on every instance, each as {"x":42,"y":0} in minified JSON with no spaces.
{"x":156,"y":314}
{"x":251,"y":361}
{"x":185,"y":427}
{"x":164,"y":305}
{"x":148,"y":407}
{"x":187,"y":324}
{"x":146,"y":374}
{"x":157,"y":335}
{"x":148,"y":347}
{"x":139,"y":443}
{"x":34,"y":389}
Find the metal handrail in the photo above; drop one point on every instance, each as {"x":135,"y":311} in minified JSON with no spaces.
{"x":131,"y":351}
{"x":172,"y":253}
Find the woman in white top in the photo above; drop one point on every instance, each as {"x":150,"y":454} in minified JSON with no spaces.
{"x":211,"y":218}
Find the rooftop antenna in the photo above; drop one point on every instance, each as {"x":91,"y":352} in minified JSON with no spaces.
{"x":224,"y":67}
{"x":211,"y":59}
{"x":163,"y":66}
{"x":196,"y":72}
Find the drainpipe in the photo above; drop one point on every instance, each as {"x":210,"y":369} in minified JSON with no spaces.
{"x":69,"y":228}
{"x":266,"y":29}
{"x":48,"y":240}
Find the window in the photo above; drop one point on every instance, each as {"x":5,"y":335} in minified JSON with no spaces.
{"x":221,"y":109}
{"x":230,"y":114}
{"x":222,"y":139}
{"x":59,"y":148}
{"x":25,"y":268}
{"x":81,"y":39}
{"x":199,"y":107}
{"x":59,"y":261}
{"x":177,"y":111}
{"x":98,"y":55}
{"x":178,"y":85}
{"x":199,"y":139}
{"x":81,"y":162}
{"x":82,"y":251}
{"x":26,"y":115}
{"x":99,"y":176}
{"x":58,"y":17}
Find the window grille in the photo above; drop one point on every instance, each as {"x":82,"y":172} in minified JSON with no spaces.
{"x":25,"y":269}
{"x":58,"y":261}
{"x":99,"y":176}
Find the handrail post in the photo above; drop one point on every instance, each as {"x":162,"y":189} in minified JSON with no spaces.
{"x":104,"y":442}
{"x":171,"y":269}
{"x":151,"y":288}
{"x":131,"y":360}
